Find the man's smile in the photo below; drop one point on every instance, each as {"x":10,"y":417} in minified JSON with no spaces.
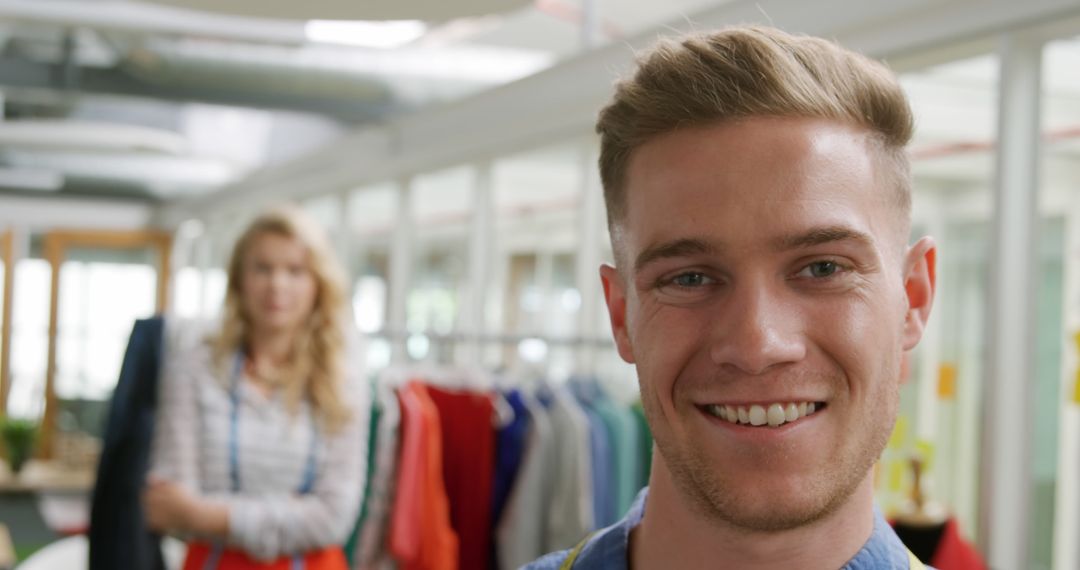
{"x":764,"y":414}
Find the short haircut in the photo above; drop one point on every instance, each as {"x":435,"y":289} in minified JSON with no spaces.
{"x":752,"y":71}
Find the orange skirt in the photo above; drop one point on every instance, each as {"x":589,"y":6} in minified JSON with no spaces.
{"x":199,"y":553}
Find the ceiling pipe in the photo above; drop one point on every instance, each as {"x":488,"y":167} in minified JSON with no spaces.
{"x":144,"y":19}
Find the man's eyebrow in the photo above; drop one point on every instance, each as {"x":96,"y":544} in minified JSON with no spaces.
{"x":677,"y":248}
{"x":693,"y":246}
{"x":823,"y":235}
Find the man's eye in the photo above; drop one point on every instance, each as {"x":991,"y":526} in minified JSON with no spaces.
{"x":822,"y":269}
{"x":690,"y":280}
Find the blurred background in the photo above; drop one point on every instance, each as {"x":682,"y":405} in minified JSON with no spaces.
{"x":448,"y":149}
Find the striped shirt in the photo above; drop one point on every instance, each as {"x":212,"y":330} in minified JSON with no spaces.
{"x":267,"y":517}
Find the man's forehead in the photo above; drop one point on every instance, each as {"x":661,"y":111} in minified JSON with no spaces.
{"x":793,"y":141}
{"x":743,"y":178}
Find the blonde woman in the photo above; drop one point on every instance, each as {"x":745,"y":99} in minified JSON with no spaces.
{"x":260,"y":433}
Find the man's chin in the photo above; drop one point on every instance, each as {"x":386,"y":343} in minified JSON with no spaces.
{"x":771,"y":517}
{"x":770,"y":504}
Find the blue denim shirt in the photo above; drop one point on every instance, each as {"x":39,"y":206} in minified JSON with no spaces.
{"x":606,"y":550}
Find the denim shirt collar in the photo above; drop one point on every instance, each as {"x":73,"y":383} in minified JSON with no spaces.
{"x":607,"y":550}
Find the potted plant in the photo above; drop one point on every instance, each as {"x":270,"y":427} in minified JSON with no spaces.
{"x":18,"y":437}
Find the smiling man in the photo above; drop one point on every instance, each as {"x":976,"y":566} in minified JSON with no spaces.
{"x":758,"y":198}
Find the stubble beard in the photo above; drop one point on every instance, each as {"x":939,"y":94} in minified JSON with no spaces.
{"x":718,"y":498}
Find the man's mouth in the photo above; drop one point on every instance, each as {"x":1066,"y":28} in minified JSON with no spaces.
{"x":771,"y":415}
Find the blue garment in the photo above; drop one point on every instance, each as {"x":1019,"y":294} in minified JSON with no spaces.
{"x":607,"y":549}
{"x":603,"y":464}
{"x":509,"y":447}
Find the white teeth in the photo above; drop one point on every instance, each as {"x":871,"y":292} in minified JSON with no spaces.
{"x":773,"y":415}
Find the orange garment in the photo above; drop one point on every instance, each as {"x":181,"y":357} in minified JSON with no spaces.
{"x":421,"y":537}
{"x":232,"y":559}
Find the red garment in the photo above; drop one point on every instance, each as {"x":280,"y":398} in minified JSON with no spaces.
{"x":421,"y":537}
{"x":468,"y":469}
{"x":233,"y":559}
{"x":953,"y":552}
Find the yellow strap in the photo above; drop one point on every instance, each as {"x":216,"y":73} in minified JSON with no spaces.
{"x":914,"y":563}
{"x":570,"y":558}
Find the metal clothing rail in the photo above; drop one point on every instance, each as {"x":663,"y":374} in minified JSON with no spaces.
{"x":448,"y":338}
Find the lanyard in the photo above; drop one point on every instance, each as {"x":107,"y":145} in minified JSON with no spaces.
{"x":308,"y":481}
{"x":306,"y":485}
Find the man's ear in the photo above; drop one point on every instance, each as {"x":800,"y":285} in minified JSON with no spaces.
{"x":615,"y":297}
{"x":919,"y":285}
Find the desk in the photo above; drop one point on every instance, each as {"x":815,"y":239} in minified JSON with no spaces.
{"x":46,"y":477}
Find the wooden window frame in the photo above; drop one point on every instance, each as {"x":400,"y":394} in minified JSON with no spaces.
{"x":7,"y":254}
{"x":56,"y":245}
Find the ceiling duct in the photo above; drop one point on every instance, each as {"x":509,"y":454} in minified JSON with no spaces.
{"x":388,"y":80}
{"x":89,"y":135}
{"x":247,"y":67}
{"x":352,"y":10}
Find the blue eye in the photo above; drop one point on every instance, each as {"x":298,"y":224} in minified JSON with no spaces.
{"x":822,"y":269}
{"x":690,"y":280}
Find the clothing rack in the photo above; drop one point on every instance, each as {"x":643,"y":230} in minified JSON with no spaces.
{"x":566,"y":459}
{"x":449,"y":338}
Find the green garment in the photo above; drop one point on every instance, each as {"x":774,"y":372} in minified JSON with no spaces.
{"x":624,"y":437}
{"x":373,"y":429}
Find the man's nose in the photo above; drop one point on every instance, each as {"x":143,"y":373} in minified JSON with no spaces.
{"x":757,"y":329}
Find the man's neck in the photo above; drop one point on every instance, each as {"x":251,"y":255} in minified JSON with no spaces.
{"x":673,"y":535}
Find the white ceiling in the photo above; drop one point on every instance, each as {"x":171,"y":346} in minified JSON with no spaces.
{"x":238,"y":86}
{"x":349,"y":9}
{"x":159,"y":100}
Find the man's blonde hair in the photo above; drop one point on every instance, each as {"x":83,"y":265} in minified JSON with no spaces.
{"x":751,"y":71}
{"x":316,"y":368}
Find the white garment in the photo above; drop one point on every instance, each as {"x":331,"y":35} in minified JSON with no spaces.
{"x":570,"y":512}
{"x":521,"y":534}
{"x":371,"y":551}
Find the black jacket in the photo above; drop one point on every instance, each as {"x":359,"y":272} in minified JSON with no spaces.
{"x":119,"y":537}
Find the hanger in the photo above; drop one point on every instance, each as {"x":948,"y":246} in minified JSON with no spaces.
{"x":463,"y":377}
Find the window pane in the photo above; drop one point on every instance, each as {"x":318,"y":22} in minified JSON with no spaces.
{"x":1055,"y":494}
{"x":441,"y":210}
{"x":952,"y":159}
{"x":29,"y":338}
{"x":102,"y":293}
